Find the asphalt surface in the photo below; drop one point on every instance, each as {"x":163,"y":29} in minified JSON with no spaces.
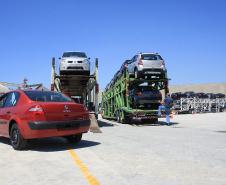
{"x":191,"y":151}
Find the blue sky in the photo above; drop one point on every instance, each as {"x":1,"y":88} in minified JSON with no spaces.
{"x":190,"y":36}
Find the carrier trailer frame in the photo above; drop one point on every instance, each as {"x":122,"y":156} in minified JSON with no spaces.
{"x":84,"y":86}
{"x":117,"y":104}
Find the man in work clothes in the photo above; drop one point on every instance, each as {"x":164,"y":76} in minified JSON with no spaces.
{"x":168,"y":103}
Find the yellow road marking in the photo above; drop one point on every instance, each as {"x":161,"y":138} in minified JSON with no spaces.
{"x":89,"y":177}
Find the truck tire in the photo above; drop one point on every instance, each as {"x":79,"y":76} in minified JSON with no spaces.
{"x":154,"y":120}
{"x":118,"y":116}
{"x":127,"y":119}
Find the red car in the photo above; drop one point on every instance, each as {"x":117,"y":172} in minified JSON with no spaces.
{"x":30,"y":114}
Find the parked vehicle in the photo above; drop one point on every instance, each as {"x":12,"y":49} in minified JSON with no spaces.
{"x":189,"y":94}
{"x":201,"y":95}
{"x":220,"y":95}
{"x":147,"y":64}
{"x":145,"y":96}
{"x":74,"y":62}
{"x":178,"y":95}
{"x":124,"y":66}
{"x":31,"y":114}
{"x":211,"y":96}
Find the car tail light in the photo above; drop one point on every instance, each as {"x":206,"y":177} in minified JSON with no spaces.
{"x":36,"y":109}
{"x":140,"y":62}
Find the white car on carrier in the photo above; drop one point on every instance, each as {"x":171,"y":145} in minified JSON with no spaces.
{"x":75,"y":62}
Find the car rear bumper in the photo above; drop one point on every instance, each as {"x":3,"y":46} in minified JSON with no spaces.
{"x":43,"y":129}
{"x":147,"y":101}
{"x":152,"y":71}
{"x":43,"y":125}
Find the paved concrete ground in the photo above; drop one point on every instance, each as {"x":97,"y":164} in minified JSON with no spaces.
{"x":190,"y":152}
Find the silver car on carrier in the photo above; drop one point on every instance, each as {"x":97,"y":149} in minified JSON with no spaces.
{"x":147,"y":64}
{"x":75,"y":62}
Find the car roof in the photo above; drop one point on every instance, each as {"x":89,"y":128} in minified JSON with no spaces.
{"x":154,"y":53}
{"x":24,"y":90}
{"x":74,"y":51}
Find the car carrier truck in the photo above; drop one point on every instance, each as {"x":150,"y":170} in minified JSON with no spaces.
{"x":118,"y":103}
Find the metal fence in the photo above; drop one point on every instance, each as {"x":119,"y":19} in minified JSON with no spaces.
{"x":199,"y":105}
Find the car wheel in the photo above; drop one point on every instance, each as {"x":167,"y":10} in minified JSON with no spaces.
{"x":136,"y":74}
{"x":74,"y":138}
{"x":16,"y":139}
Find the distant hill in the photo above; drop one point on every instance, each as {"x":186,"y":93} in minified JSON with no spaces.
{"x":206,"y":88}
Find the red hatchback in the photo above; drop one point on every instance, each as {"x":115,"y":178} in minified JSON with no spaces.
{"x":33,"y":114}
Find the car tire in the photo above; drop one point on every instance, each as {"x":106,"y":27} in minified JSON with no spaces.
{"x":16,"y":139}
{"x":74,"y":138}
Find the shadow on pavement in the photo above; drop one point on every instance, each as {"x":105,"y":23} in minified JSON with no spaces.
{"x":58,"y":144}
{"x":221,"y":131}
{"x":4,"y":140}
{"x":171,"y":123}
{"x":104,"y":124}
{"x":159,"y":123}
{"x":52,"y":144}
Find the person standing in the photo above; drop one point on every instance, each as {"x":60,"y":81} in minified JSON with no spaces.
{"x":168,"y":103}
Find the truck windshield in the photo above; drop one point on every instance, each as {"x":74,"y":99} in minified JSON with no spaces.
{"x":151,"y":57}
{"x":74,"y":54}
{"x":47,"y":96}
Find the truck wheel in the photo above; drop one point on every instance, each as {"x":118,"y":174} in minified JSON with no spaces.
{"x":127,"y":119}
{"x":118,"y":116}
{"x":74,"y":138}
{"x":16,"y":139}
{"x":154,"y":120}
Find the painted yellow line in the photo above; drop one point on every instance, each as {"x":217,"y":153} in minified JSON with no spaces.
{"x":89,"y":177}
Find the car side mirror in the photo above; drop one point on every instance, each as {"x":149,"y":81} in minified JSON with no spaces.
{"x":59,"y":58}
{"x":89,"y":58}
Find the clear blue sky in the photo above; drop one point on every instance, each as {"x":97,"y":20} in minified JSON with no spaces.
{"x":190,"y":35}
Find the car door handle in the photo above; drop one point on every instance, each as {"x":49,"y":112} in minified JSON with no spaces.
{"x":8,"y":112}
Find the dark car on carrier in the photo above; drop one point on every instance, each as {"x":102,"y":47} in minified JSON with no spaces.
{"x":145,"y":96}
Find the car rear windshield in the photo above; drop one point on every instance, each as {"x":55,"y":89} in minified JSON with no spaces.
{"x":147,"y":89}
{"x":74,"y":54}
{"x":47,"y":96}
{"x":151,"y":57}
